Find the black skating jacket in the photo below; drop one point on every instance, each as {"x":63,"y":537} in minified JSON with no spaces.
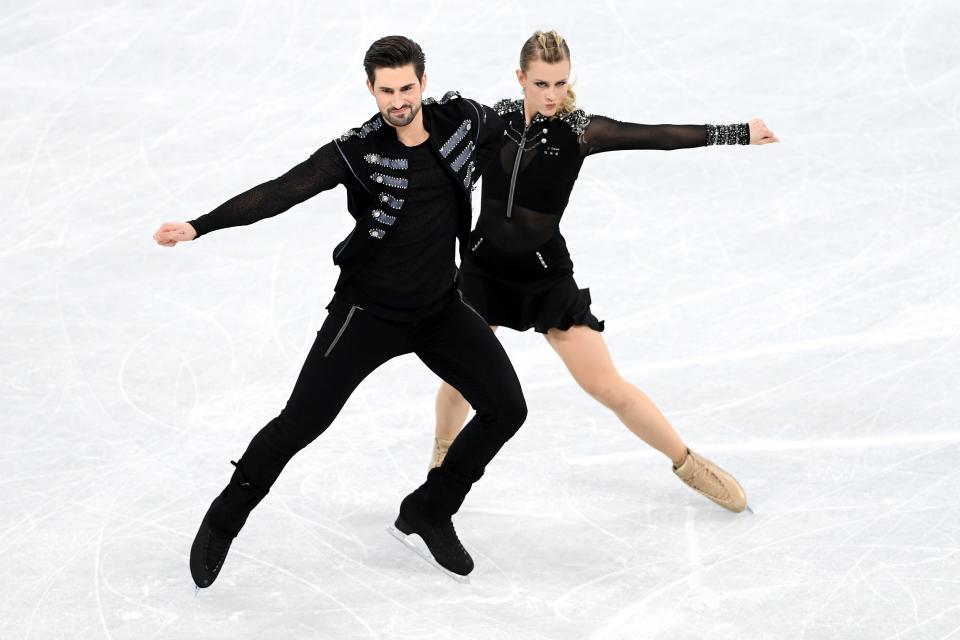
{"x":373,"y":165}
{"x":464,"y":133}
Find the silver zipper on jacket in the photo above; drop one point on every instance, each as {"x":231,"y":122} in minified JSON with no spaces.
{"x":516,"y":167}
{"x":343,"y":328}
{"x":345,"y":243}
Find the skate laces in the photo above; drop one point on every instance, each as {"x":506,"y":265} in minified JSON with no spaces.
{"x":706,"y":478}
{"x":216,"y":551}
{"x":447,"y":535}
{"x":440,"y":449}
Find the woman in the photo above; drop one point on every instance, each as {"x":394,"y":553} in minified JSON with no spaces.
{"x":519,"y":274}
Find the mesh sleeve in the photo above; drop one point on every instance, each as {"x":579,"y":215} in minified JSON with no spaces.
{"x":323,"y":170}
{"x":605,"y":134}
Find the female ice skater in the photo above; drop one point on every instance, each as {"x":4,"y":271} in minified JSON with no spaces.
{"x":519,"y":274}
{"x":408,"y":172}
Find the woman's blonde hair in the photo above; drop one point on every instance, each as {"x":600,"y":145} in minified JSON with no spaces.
{"x":550,"y":47}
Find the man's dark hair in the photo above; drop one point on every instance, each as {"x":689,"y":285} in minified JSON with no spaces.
{"x":394,"y":52}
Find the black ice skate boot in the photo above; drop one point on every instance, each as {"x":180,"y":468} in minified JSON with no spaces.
{"x":207,"y":554}
{"x":221,"y":524}
{"x":424,"y":525}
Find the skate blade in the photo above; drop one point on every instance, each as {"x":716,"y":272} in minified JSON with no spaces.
{"x":416,"y":544}
{"x":750,"y":509}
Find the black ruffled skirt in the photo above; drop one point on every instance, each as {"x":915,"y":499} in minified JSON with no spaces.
{"x":534,"y":290}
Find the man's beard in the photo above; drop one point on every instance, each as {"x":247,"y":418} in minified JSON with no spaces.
{"x":402,"y":121}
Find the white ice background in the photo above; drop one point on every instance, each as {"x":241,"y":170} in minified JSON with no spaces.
{"x":792,"y":308}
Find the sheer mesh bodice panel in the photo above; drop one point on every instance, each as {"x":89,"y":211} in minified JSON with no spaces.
{"x":524,"y":231}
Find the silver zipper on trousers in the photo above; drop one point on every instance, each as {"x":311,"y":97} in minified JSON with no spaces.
{"x":516,"y":167}
{"x":343,"y":328}
{"x":469,"y":306}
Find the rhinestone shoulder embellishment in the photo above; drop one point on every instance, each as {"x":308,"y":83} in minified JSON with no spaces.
{"x":364,"y":130}
{"x":578,"y":120}
{"x":506,"y":105}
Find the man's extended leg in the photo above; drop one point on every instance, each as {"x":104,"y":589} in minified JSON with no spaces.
{"x":349,"y":345}
{"x":459,"y":347}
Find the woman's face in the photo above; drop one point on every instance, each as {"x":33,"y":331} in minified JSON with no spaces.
{"x":545,"y":85}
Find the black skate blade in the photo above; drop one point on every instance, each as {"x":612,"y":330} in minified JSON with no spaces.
{"x":416,"y":544}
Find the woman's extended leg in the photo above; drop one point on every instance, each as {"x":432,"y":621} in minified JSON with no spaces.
{"x":585,"y":354}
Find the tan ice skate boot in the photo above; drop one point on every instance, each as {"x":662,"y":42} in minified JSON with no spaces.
{"x":707,"y":478}
{"x":440,"y":448}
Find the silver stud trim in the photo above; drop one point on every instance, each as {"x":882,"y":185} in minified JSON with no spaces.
{"x":363,"y":131}
{"x":542,"y":261}
{"x":461,"y":159}
{"x":447,"y":97}
{"x":381,"y":216}
{"x":389,"y":163}
{"x":455,"y":139}
{"x":393,"y":203}
{"x":377,"y":233}
{"x":390,"y":181}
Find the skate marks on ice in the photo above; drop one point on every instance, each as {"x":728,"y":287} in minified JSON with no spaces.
{"x":872,"y":545}
{"x":120,"y":387}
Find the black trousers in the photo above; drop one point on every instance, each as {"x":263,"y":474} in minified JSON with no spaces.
{"x":455,"y":343}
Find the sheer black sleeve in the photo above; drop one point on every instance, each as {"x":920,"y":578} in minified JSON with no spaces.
{"x":605,"y":134}
{"x":323,"y":170}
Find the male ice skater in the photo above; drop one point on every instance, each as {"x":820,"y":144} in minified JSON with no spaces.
{"x":408,"y":172}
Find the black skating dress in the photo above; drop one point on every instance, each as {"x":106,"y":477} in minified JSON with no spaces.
{"x":518,"y":272}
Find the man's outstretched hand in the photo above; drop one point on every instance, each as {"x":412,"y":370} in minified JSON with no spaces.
{"x":170,"y":233}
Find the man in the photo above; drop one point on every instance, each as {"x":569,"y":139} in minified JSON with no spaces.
{"x":408,"y":172}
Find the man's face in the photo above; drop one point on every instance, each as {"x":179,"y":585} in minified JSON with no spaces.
{"x":398,"y":93}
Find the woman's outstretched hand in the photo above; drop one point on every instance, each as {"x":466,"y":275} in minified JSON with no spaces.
{"x":170,"y":233}
{"x":760,"y":133}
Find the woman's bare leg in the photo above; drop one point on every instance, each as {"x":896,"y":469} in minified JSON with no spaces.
{"x":585,"y":354}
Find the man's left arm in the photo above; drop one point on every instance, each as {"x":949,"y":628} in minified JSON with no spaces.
{"x":489,"y":135}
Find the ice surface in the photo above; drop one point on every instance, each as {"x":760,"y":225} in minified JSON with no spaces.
{"x":793,"y":309}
